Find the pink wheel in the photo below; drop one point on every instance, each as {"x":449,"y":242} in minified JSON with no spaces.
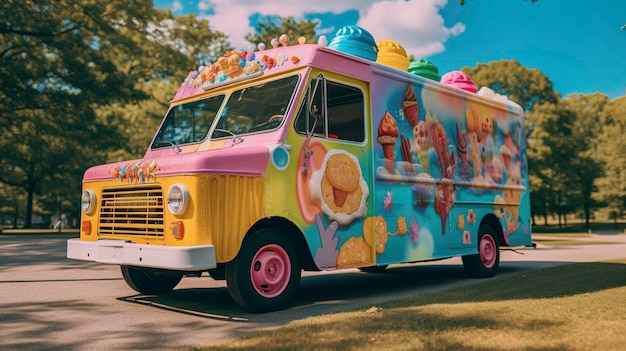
{"x":485,"y":262}
{"x":270,"y":271}
{"x":266,"y":273}
{"x":487,"y":250}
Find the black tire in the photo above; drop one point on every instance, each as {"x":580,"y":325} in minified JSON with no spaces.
{"x":150,"y":281}
{"x":374,"y":269}
{"x":265,"y":274}
{"x":485,"y":263}
{"x":218,"y":273}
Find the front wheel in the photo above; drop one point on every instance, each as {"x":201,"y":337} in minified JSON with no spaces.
{"x":485,"y":263}
{"x":150,"y":281}
{"x":374,"y":269}
{"x":265,"y":274}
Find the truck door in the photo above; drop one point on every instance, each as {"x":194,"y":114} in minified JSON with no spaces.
{"x":334,"y":124}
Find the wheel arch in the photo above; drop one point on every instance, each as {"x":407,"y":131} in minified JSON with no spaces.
{"x":492,"y":221}
{"x":290,"y":231}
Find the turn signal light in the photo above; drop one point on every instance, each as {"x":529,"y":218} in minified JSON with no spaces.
{"x":85,"y":227}
{"x":178,"y":230}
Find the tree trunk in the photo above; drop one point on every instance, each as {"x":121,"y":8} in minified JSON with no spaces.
{"x":587,"y":215}
{"x":29,"y":205}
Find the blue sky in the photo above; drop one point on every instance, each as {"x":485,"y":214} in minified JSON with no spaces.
{"x":578,"y":44}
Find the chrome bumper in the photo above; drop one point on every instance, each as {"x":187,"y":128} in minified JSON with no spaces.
{"x":181,"y":258}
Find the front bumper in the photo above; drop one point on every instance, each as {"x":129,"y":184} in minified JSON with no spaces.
{"x":180,"y":258}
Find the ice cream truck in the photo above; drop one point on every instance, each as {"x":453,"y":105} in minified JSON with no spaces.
{"x":315,"y":157}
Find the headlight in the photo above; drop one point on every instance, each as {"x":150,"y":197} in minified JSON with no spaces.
{"x":88,"y":201}
{"x":177,"y":199}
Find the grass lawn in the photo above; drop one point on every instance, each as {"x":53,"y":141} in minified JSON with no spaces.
{"x":578,"y":226}
{"x":572,"y":307}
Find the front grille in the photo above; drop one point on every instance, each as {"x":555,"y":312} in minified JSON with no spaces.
{"x":134,"y":211}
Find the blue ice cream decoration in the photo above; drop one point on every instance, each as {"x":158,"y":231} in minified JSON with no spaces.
{"x":356,"y":41}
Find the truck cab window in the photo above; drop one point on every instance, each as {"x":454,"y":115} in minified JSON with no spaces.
{"x":257,"y":108}
{"x":342,"y":110}
{"x":188,"y":123}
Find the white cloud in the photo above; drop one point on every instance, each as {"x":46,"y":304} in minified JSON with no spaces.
{"x":176,"y":6}
{"x":415,"y":24}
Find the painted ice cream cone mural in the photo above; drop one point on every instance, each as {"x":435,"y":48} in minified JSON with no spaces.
{"x":444,"y":196}
{"x":465,"y":170}
{"x":421,"y":137}
{"x":444,"y":199}
{"x":387,"y":135}
{"x":471,"y":117}
{"x":447,"y":160}
{"x":340,"y":187}
{"x":409,"y":105}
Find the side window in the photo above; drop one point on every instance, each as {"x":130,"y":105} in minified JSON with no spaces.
{"x":345,"y":112}
{"x":341,"y":107}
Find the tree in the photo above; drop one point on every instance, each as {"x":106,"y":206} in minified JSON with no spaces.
{"x":63,"y":62}
{"x":523,"y":85}
{"x":564,"y":150}
{"x":588,"y":165}
{"x":175,"y":46}
{"x":269,"y":29}
{"x":548,"y":157}
{"x":52,"y":74}
{"x":610,"y":150}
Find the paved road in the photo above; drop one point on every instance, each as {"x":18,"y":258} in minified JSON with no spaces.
{"x":50,"y":303}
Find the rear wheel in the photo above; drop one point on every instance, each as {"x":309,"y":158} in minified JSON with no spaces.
{"x":150,"y":281}
{"x":265,"y":274}
{"x":485,"y":263}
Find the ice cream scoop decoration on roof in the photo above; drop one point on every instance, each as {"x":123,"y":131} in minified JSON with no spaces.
{"x":356,"y":41}
{"x":392,"y":54}
{"x":424,"y":68}
{"x":460,"y":80}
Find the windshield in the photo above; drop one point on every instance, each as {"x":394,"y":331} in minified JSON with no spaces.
{"x":188,"y":123}
{"x":257,"y":108}
{"x":252,"y":109}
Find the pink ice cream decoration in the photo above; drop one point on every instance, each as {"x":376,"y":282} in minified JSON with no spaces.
{"x":459,"y":79}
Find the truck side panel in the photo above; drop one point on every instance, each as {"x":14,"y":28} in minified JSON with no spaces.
{"x":444,"y":160}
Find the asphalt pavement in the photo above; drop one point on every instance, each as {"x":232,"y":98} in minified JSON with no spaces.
{"x":50,"y":303}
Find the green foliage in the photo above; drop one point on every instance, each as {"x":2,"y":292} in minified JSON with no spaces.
{"x":571,"y":141}
{"x":566,"y":151}
{"x":268,"y":30}
{"x":610,"y":146}
{"x":523,"y":85}
{"x":79,"y":80}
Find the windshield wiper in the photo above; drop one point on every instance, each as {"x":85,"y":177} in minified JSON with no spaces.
{"x":163,"y":143}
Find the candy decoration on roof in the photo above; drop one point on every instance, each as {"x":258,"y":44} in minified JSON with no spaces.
{"x":353,"y":40}
{"x":356,"y":41}
{"x":392,"y":54}
{"x":283,"y":40}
